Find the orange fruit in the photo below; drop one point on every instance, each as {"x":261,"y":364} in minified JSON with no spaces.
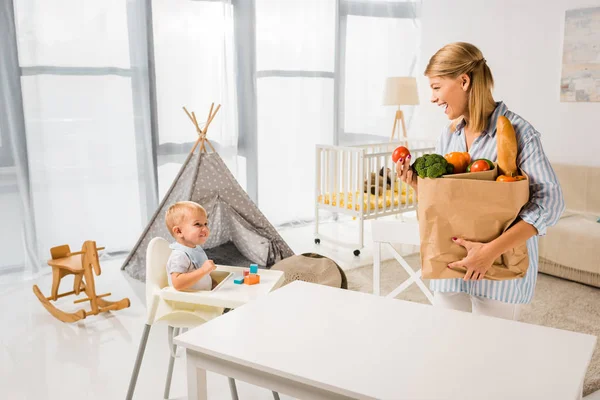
{"x":504,"y":178}
{"x":467,"y":157}
{"x":459,"y":160}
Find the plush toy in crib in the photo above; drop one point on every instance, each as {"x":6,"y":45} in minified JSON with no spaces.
{"x":370,"y":186}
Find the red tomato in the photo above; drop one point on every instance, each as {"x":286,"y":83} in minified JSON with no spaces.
{"x":400,"y":153}
{"x":479,"y":166}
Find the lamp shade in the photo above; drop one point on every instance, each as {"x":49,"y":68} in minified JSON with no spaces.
{"x":400,"y":90}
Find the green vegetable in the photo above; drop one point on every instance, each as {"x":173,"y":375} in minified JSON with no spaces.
{"x":432,"y":166}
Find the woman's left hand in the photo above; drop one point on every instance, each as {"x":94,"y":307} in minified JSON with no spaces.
{"x":477,"y":262}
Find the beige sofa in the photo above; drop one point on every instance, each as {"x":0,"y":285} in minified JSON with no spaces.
{"x":571,"y":248}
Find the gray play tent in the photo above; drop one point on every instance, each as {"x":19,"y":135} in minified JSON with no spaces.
{"x":240,"y":233}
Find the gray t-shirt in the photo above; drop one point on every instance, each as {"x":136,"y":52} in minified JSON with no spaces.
{"x":185,"y":259}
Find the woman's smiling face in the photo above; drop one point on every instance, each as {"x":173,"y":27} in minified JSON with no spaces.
{"x":451,"y":93}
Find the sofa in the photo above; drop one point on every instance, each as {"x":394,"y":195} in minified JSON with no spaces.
{"x":571,"y":248}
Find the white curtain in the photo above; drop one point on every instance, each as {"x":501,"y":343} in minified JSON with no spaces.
{"x":194,"y":56}
{"x":295,"y":57}
{"x":321,"y":69}
{"x":376,"y":48}
{"x":84,"y":100}
{"x":95,"y":132}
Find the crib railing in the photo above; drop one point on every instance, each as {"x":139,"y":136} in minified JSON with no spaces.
{"x":341,"y":173}
{"x":338,"y":170}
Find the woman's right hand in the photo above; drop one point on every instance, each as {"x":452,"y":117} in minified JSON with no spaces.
{"x":405,"y":173}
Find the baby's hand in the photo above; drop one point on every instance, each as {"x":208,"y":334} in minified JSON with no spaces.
{"x":209,"y":266}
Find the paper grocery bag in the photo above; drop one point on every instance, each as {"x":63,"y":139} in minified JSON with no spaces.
{"x":475,"y":207}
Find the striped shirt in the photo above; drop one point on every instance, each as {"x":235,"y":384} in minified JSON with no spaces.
{"x":545,"y":206}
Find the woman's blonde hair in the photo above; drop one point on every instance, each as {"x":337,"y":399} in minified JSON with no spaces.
{"x":455,"y":59}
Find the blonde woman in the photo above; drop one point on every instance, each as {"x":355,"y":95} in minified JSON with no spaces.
{"x":461,"y":83}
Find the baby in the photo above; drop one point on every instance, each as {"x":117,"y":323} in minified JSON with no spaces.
{"x":188,"y":267}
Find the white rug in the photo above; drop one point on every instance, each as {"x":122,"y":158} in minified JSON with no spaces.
{"x":557,"y":303}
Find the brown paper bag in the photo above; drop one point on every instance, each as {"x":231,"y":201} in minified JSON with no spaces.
{"x":475,"y":207}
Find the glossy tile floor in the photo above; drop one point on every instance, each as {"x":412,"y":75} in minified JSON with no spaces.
{"x":43,"y":358}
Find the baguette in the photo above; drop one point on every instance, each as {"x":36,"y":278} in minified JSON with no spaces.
{"x":507,"y":147}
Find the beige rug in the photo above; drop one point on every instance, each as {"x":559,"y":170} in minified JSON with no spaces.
{"x":557,"y":303}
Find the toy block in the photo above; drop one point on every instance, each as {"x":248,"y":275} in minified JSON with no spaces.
{"x":253,"y":268}
{"x":252,"y":279}
{"x":246,"y":272}
{"x":238,"y":280}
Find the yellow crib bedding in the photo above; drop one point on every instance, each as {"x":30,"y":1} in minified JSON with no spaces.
{"x":351,"y":200}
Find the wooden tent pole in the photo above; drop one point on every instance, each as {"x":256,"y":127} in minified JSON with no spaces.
{"x":202,"y":139}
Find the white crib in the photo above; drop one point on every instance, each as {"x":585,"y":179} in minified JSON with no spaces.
{"x":340,"y":175}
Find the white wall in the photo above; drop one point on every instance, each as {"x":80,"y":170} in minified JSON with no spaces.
{"x":522,"y":43}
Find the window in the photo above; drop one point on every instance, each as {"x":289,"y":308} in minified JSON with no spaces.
{"x":321,"y":67}
{"x":295,"y":58}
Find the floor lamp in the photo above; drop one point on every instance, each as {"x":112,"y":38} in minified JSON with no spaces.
{"x":400,"y":91}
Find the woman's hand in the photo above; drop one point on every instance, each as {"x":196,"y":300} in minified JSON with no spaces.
{"x":478,"y":260}
{"x":405,"y":173}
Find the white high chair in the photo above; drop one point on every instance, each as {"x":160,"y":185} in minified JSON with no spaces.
{"x":177,"y":315}
{"x":386,"y":233}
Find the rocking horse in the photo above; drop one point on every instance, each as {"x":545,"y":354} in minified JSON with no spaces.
{"x":80,"y":264}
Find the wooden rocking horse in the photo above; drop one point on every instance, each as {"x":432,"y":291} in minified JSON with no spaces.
{"x":80,"y":264}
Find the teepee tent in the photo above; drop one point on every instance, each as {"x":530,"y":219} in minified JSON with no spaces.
{"x":240,"y":233}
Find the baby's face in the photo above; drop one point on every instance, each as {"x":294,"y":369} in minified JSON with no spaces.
{"x":194,"y":227}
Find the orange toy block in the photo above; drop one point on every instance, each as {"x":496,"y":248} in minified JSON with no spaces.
{"x":252,"y":279}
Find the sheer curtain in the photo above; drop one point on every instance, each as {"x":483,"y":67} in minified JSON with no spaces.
{"x":379,"y":44}
{"x":93,"y":131}
{"x":295,"y":57}
{"x":321,"y":68}
{"x":17,"y":239}
{"x":85,"y":110}
{"x":194,"y":53}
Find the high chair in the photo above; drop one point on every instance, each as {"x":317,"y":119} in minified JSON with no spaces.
{"x":176,"y":314}
{"x":80,"y":264}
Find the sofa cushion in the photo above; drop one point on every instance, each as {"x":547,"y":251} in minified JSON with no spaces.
{"x":573,"y":243}
{"x":580,"y":186}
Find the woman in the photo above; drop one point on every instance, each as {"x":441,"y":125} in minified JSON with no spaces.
{"x":461,"y":83}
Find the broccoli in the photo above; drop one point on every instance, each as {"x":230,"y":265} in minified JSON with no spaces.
{"x":429,"y":161}
{"x":432,"y":166}
{"x":436,"y":170}
{"x":419,"y":164}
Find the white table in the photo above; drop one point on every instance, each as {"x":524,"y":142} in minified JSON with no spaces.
{"x":316,"y":342}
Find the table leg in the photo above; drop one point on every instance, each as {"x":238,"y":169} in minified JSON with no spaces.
{"x":376,"y":268}
{"x":196,"y":380}
{"x":233,"y":389}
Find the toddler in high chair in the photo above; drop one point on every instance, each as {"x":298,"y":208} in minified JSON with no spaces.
{"x":188,"y":267}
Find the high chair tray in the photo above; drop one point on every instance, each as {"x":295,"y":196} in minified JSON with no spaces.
{"x":227,"y":294}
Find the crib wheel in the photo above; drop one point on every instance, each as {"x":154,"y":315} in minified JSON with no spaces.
{"x":317,"y":241}
{"x":356,"y":252}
